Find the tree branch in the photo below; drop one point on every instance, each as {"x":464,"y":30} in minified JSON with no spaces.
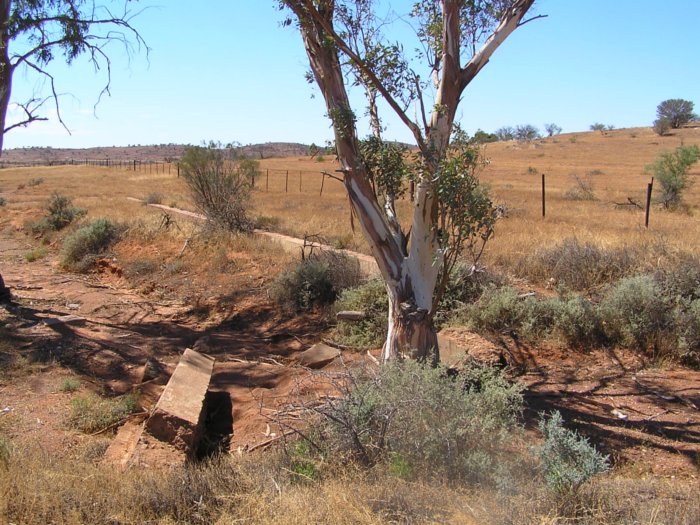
{"x":361,"y":64}
{"x":31,"y":117}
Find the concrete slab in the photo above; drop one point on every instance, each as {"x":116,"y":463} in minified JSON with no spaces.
{"x":318,"y":356}
{"x":121,"y":450}
{"x":178,"y":417}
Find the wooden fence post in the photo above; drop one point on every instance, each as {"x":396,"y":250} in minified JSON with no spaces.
{"x":323,"y":179}
{"x":299,"y":181}
{"x":543,"y":197}
{"x":267,"y":180}
{"x":650,"y":187}
{"x":286,"y":182}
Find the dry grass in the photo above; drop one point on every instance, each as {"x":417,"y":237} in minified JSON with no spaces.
{"x":37,"y":487}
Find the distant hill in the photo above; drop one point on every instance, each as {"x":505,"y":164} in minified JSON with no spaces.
{"x":153,"y":153}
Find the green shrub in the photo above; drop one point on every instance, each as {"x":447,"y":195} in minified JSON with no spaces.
{"x":579,"y":266}
{"x":81,"y":246}
{"x":465,"y":286}
{"x":635,"y":313}
{"x":316,"y":281}
{"x":92,"y":413}
{"x":60,"y":212}
{"x":670,"y":169}
{"x":577,"y":322}
{"x":36,"y":181}
{"x":36,"y":254}
{"x":568,"y":459}
{"x":3,"y":201}
{"x":424,"y":423}
{"x":69,"y":385}
{"x":497,"y":309}
{"x":688,"y":332}
{"x":370,"y":298}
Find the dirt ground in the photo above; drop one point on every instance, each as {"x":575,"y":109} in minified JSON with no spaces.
{"x":646,"y":417}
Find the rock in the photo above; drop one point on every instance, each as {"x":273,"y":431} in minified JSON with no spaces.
{"x":178,"y":417}
{"x":318,"y":356}
{"x":350,"y":315}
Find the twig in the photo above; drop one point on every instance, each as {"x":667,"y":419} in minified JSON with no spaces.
{"x":120,"y":422}
{"x":270,"y":441}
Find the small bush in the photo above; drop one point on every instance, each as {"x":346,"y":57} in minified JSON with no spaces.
{"x":35,"y":182}
{"x":36,"y":254}
{"x":661,"y":126}
{"x":153,"y":198}
{"x":568,"y":459}
{"x":497,"y":309}
{"x":426,"y":424}
{"x":2,"y":201}
{"x":579,"y":266}
{"x":86,"y":242}
{"x":316,"y":281}
{"x":687,"y":324}
{"x":60,"y":212}
{"x":370,"y":298}
{"x":670,"y":169}
{"x":577,"y":322}
{"x":92,"y":413}
{"x":582,"y":190}
{"x":69,"y":385}
{"x":220,"y":183}
{"x":635,"y":314}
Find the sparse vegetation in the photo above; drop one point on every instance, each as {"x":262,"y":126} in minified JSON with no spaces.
{"x":60,"y":212}
{"x":568,"y":459}
{"x":582,"y":190}
{"x":431,"y":425}
{"x":670,"y":169}
{"x":220,"y":184}
{"x":316,"y":281}
{"x":83,"y":245}
{"x":36,"y":254}
{"x":91,"y":413}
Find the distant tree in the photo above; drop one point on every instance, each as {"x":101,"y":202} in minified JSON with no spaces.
{"x":32,"y":32}
{"x":598,"y":126}
{"x":313,"y":150}
{"x":676,"y":112}
{"x":527,"y":132}
{"x":481,"y":137}
{"x":552,"y":129}
{"x":505,"y":133}
{"x":670,"y":169}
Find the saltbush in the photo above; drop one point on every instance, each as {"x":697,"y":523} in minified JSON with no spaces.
{"x":426,"y":424}
{"x":60,"y":212}
{"x":636,"y":314}
{"x":88,"y":241}
{"x":370,"y":298}
{"x":316,"y":281}
{"x":568,"y":459}
{"x":579,"y":266}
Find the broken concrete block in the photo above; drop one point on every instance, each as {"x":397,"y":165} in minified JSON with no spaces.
{"x":121,"y":450}
{"x":178,"y":417}
{"x":318,"y":356}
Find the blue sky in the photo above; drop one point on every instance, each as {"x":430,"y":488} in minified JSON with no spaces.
{"x":225,"y":70}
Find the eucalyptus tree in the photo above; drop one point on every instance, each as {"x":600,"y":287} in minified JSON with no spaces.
{"x":450,"y":212}
{"x":33,"y":32}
